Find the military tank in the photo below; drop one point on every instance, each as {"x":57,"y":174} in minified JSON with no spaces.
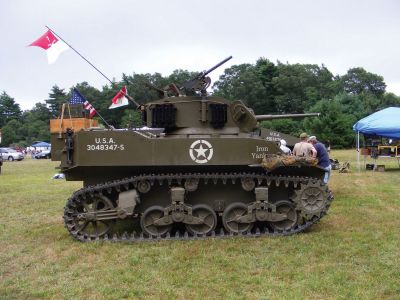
{"x":199,"y":167}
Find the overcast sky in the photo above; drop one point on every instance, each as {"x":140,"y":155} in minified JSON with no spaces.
{"x":121,"y":36}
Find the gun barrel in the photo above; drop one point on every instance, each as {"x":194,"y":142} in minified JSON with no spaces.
{"x":217,"y":65}
{"x":272,"y":117}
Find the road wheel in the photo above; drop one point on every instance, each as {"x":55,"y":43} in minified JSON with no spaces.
{"x":147,"y":222}
{"x":288,"y":208}
{"x":207,"y":215}
{"x":10,"y":158}
{"x":231,"y":216}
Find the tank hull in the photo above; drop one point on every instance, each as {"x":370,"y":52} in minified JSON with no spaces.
{"x":99,"y":156}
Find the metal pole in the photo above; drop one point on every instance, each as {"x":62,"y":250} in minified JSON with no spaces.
{"x":110,"y":126}
{"x":358,"y":150}
{"x":76,"y":51}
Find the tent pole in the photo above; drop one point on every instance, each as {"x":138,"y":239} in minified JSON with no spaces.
{"x":358,"y":150}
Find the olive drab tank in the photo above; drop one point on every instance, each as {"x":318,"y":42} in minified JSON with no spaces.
{"x":200,"y":166}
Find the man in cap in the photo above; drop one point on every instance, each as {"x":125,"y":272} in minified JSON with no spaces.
{"x":303,"y":148}
{"x":322,"y":156}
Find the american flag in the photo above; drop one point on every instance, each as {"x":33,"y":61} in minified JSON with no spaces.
{"x":77,"y":98}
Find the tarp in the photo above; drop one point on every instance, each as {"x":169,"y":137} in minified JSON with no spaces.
{"x":41,"y":144}
{"x":385,"y":122}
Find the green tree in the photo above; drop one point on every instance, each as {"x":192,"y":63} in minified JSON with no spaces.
{"x":231,"y":84}
{"x":138,"y":88}
{"x":131,"y":118}
{"x":371,"y":102}
{"x":389,"y":99}
{"x":251,"y":84}
{"x":358,"y":80}
{"x":332,"y":125}
{"x":266,"y":71}
{"x":30,"y":132}
{"x":283,"y":88}
{"x":179,"y":77}
{"x":352,"y":105}
{"x":10,"y":132}
{"x":40,"y":112}
{"x":300,"y":86}
{"x":57,"y":97}
{"x":288,"y":126}
{"x":9,"y":109}
{"x":35,"y":125}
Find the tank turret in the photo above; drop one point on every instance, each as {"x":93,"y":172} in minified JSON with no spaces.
{"x":187,"y":114}
{"x":197,"y":168}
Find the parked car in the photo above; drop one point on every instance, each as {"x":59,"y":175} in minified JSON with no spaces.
{"x":42,"y":154}
{"x":11,"y":154}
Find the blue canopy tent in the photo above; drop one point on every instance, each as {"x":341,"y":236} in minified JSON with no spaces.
{"x":384,"y":123}
{"x":41,"y":144}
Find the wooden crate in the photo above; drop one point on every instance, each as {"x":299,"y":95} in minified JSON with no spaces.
{"x":56,"y":125}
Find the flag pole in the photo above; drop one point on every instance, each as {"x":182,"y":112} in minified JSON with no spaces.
{"x":93,"y":107}
{"x":76,"y":51}
{"x":104,"y":120}
{"x":88,"y":63}
{"x":79,"y":54}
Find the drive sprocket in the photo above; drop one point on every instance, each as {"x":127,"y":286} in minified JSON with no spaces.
{"x":311,"y":198}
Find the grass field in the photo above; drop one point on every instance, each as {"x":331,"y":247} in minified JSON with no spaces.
{"x":353,"y":253}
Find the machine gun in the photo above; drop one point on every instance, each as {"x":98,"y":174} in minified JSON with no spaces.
{"x":201,"y":81}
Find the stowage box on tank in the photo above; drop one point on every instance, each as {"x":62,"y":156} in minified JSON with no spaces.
{"x":198,"y":167}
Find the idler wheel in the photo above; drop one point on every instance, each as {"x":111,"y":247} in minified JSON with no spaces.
{"x":231,"y":218}
{"x":147,"y":222}
{"x":288,"y":208}
{"x":81,"y":218}
{"x":207,"y":215}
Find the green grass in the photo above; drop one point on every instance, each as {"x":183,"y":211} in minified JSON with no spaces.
{"x":352,"y":253}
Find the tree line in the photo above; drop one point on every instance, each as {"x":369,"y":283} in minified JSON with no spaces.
{"x":266,"y":87}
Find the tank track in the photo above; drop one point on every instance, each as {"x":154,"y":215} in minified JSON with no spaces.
{"x":132,"y":182}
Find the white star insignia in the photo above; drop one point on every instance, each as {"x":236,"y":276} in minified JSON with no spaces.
{"x":201,"y":152}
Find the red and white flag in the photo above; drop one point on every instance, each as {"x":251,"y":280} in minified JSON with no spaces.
{"x":120,"y":99}
{"x":51,"y":44}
